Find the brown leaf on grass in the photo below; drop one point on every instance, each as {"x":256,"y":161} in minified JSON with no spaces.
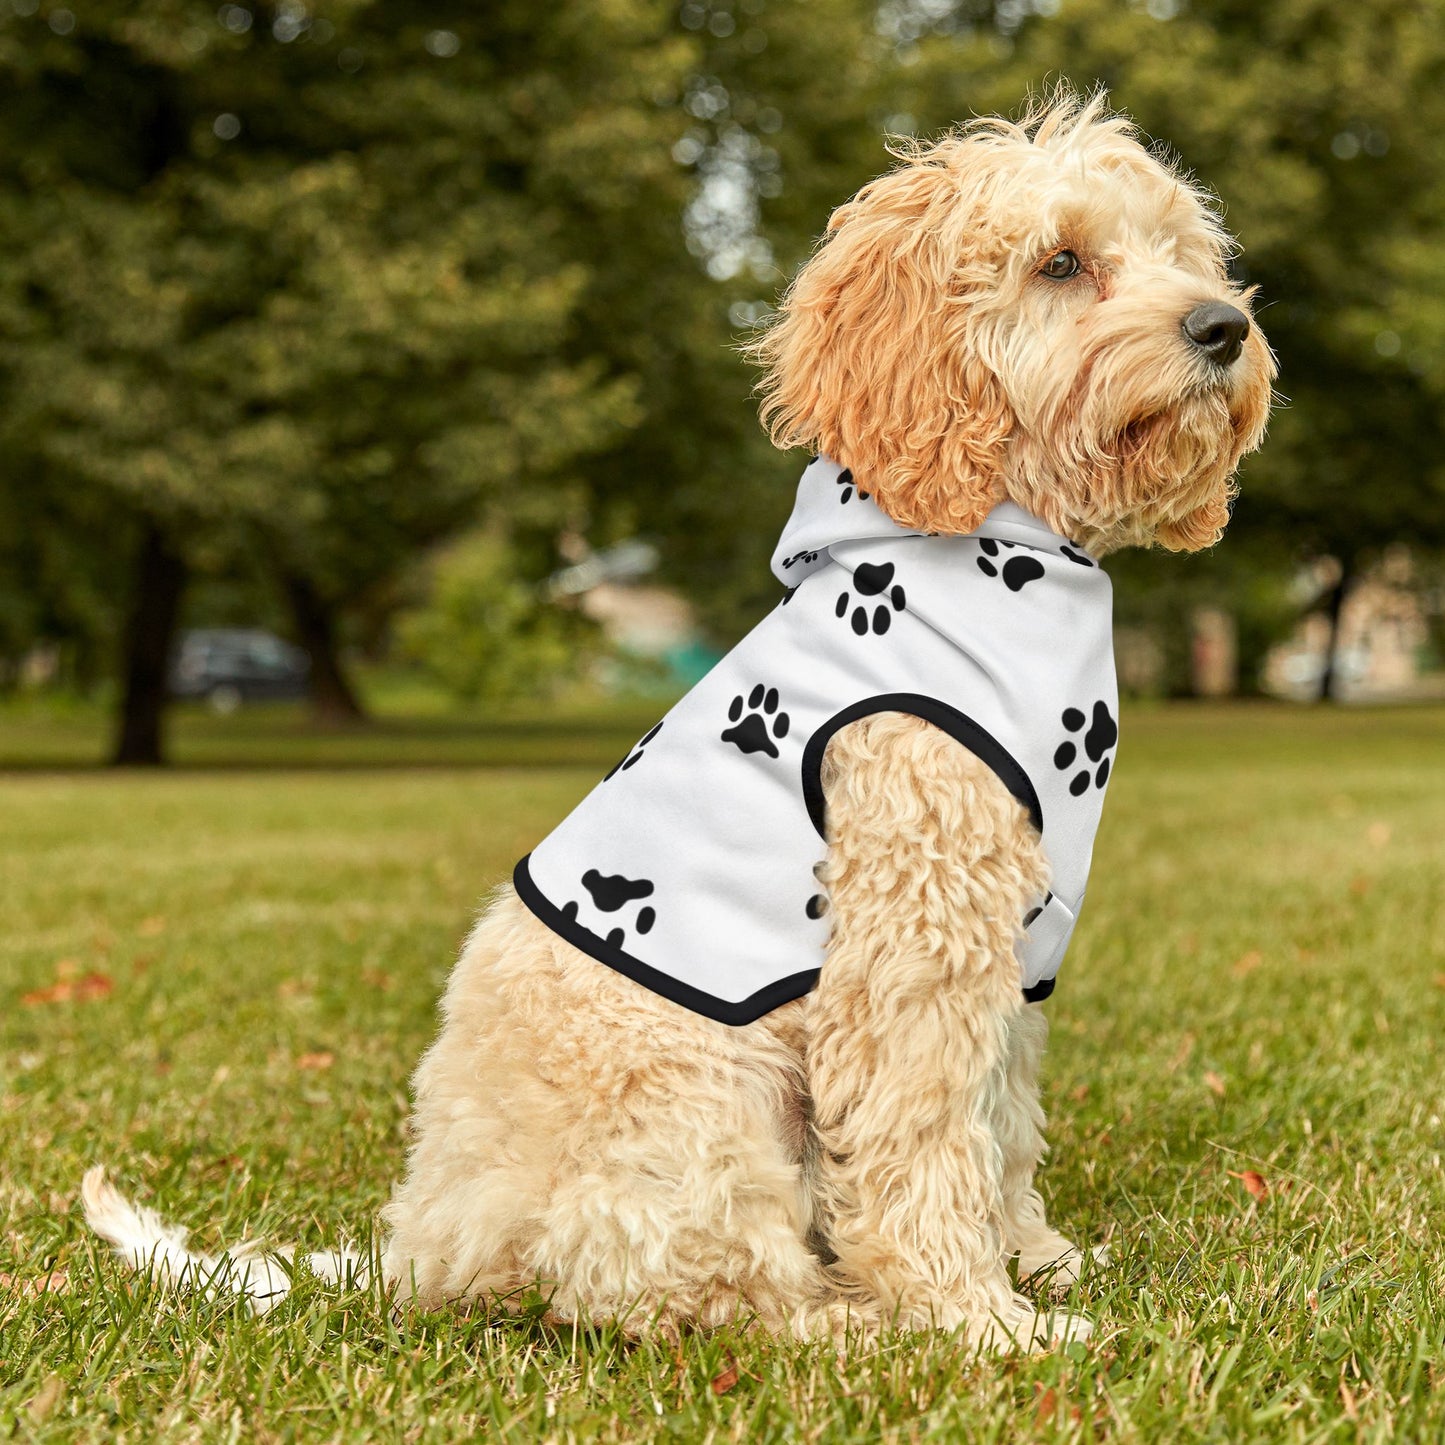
{"x":1079,"y":1094}
{"x":724,"y":1381}
{"x":1214,"y":1083}
{"x":321,"y":1059}
{"x":1440,"y":980}
{"x":1046,"y":1406}
{"x":56,"y":1282}
{"x":67,"y":990}
{"x":1247,"y":963}
{"x":1255,"y":1184}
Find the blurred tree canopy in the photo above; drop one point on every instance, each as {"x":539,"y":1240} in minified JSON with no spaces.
{"x":318,"y":287}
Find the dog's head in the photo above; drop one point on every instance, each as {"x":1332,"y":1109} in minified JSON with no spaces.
{"x":1037,"y":311}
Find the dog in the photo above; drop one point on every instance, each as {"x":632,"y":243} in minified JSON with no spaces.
{"x":1022,"y":350}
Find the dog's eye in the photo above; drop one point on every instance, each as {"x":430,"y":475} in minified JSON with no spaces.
{"x":1060,"y":266}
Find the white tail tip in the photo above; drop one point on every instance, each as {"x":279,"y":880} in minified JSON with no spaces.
{"x":148,"y":1244}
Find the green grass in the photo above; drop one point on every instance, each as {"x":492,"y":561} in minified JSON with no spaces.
{"x":1256,"y":985}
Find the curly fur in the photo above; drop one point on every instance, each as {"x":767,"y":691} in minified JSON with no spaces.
{"x":921,"y":347}
{"x":865,"y":1155}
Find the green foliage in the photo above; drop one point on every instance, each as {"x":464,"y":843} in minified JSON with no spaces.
{"x":486,"y":634}
{"x":318,"y":288}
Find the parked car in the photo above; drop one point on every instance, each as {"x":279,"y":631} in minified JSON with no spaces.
{"x":230,"y":665}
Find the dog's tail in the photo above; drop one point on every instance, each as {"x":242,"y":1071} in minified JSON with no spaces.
{"x":147,"y":1243}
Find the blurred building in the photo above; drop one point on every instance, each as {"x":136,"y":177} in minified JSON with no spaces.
{"x":1382,"y":652}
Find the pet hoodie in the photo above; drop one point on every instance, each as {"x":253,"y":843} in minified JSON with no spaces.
{"x":690,"y":867}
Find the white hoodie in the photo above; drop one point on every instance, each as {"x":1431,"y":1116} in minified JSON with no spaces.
{"x":690,"y":867}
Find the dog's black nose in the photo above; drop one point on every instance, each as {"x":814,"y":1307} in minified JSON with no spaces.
{"x":1218,"y":330}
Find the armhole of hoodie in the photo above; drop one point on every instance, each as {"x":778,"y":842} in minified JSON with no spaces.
{"x":962,"y":728}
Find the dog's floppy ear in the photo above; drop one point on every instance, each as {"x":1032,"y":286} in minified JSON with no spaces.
{"x":873,"y":361}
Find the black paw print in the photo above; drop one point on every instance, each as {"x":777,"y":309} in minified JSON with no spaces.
{"x":755,"y":732}
{"x":1017,"y":571}
{"x":634,"y":755}
{"x":845,"y":480}
{"x":1078,"y":557}
{"x":612,"y":892}
{"x":872,"y":580}
{"x":808,"y":557}
{"x":1103,"y":733}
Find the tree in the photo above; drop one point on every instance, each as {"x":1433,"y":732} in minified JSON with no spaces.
{"x":1318,"y":123}
{"x":292,"y":283}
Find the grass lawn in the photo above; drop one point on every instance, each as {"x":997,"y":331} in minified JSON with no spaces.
{"x":216,"y":980}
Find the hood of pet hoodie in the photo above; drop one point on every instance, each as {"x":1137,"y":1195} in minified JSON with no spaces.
{"x":691,"y":866}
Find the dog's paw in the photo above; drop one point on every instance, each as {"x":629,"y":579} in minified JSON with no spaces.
{"x":1023,"y":1326}
{"x":1059,"y":1271}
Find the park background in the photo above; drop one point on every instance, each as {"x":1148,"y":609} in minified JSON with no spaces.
{"x":407,"y":333}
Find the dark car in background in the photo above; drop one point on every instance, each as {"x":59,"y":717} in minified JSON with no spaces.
{"x":228,"y":666}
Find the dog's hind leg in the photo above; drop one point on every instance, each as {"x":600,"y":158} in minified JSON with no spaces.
{"x":578,"y":1135}
{"x":931,"y":867}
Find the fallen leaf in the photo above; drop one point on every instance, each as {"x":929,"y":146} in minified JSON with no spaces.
{"x":56,"y":1282}
{"x":1247,"y":963}
{"x":1214,"y":1083}
{"x":1046,"y":1408}
{"x":1440,"y":980}
{"x":1080,"y":1094}
{"x":81,"y":990}
{"x":322,"y":1059}
{"x":151,"y":927}
{"x":1254,"y":1183}
{"x":724,"y":1382}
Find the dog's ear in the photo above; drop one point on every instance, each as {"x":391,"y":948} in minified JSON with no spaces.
{"x":873,"y":358}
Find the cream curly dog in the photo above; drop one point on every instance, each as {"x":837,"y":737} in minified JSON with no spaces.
{"x":1036,"y":313}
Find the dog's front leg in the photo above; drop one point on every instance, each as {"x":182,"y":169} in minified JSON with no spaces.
{"x":1042,"y":1251}
{"x":932,"y":863}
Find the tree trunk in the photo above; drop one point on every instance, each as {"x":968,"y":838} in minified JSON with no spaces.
{"x":160,"y":578}
{"x":333,"y":699}
{"x":1334,"y":608}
